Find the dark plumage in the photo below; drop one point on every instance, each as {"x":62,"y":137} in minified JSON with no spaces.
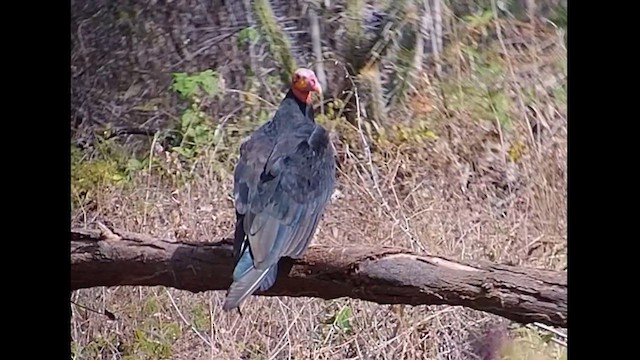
{"x":282,"y":182}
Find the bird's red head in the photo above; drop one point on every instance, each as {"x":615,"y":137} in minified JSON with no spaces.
{"x":305,"y":82}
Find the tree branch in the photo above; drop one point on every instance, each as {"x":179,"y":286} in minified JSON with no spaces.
{"x":316,"y":43}
{"x":382,"y":275}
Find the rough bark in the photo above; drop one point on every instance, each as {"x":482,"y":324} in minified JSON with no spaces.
{"x":382,"y":275}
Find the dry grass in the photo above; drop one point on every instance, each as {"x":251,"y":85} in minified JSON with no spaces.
{"x":479,"y":188}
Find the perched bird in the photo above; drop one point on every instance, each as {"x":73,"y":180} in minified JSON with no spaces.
{"x":282,"y":182}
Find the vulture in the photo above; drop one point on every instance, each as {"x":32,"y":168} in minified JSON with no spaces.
{"x":283,"y":180}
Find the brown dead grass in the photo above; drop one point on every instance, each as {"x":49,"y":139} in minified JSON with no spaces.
{"x":460,"y":196}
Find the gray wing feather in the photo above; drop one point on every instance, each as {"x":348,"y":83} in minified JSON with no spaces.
{"x":254,"y":154}
{"x":306,"y":232}
{"x":264,"y":245}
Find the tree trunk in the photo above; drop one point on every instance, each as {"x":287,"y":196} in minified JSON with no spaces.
{"x":383,"y":275}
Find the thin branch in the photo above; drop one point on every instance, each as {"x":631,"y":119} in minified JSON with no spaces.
{"x":130,"y":131}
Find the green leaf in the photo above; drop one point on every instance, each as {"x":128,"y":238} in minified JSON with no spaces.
{"x":343,"y":319}
{"x":186,"y":152}
{"x":134,"y":164}
{"x":201,"y":130}
{"x":247,"y":35}
{"x":208,"y":81}
{"x":188,"y":118}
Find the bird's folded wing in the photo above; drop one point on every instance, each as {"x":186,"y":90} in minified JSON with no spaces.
{"x":283,"y":195}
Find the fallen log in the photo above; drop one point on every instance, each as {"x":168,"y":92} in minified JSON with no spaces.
{"x":382,"y":275}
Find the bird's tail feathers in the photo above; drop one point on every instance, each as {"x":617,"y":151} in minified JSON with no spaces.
{"x":240,"y":289}
{"x":247,"y":279}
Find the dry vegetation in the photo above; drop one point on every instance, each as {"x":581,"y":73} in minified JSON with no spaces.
{"x":479,"y":172}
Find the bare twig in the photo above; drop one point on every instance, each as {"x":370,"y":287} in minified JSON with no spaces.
{"x":245,"y":93}
{"x":523,"y":109}
{"x":105,"y":312}
{"x":186,"y":322}
{"x":106,"y":233}
{"x":130,"y":131}
{"x":372,"y":169}
{"x":537,"y":326}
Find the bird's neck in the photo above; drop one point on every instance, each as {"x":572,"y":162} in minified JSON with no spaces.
{"x":301,"y":96}
{"x":303,"y":100}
